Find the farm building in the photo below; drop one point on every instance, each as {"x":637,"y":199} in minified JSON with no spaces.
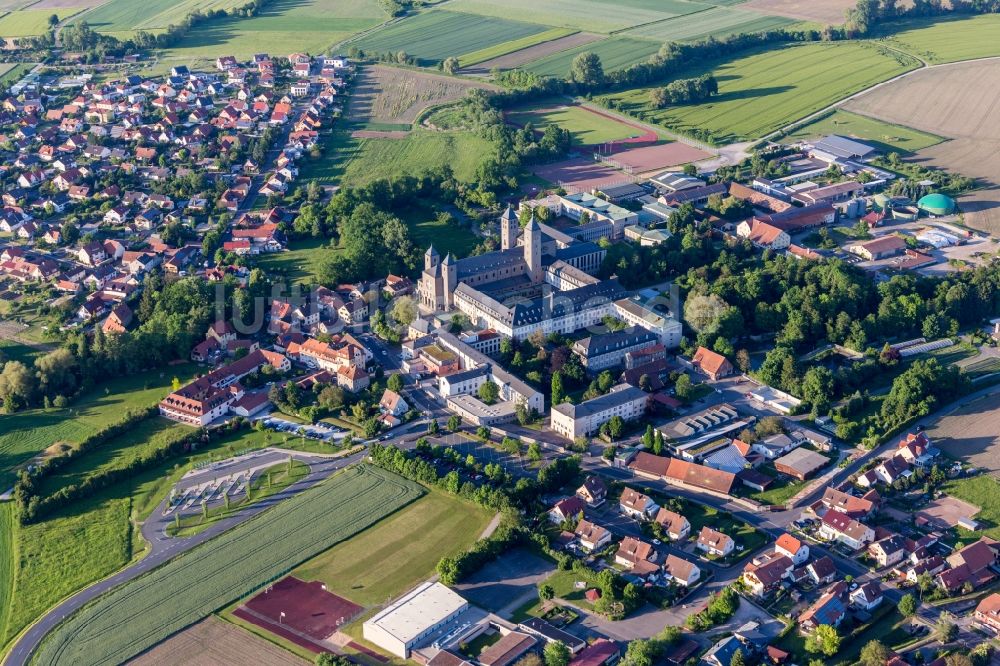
{"x":936,"y":204}
{"x":400,"y":626}
{"x":801,"y":463}
{"x":880,"y":248}
{"x":835,"y":147}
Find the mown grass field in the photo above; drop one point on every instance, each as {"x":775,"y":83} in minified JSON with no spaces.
{"x":435,"y":35}
{"x":497,"y":50}
{"x":122,"y":16}
{"x":888,"y":137}
{"x":767,"y":89}
{"x":947,"y":39}
{"x":283,"y":26}
{"x":7,"y":555}
{"x":615,"y":53}
{"x":26,"y":433}
{"x":301,"y":262}
{"x":717,"y":22}
{"x":589,"y":15}
{"x":11,"y":350}
{"x":142,"y":612}
{"x":982,"y":491}
{"x":407,"y":546}
{"x":31,"y":22}
{"x":587,"y":128}
{"x":78,"y":545}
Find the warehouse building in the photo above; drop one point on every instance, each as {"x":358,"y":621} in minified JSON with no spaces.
{"x":414,"y":617}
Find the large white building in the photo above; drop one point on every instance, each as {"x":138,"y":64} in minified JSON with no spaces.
{"x":572,"y":421}
{"x":414,"y":617}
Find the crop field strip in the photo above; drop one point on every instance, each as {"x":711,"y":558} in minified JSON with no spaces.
{"x":585,"y":15}
{"x":769,"y":88}
{"x":947,"y":39}
{"x":139,"y":614}
{"x":31,"y":22}
{"x":7,"y":555}
{"x":122,"y":16}
{"x":505,"y":48}
{"x":615,"y":53}
{"x":434,"y":35}
{"x":715,"y":22}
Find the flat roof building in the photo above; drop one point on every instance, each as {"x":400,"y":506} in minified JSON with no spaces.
{"x":572,"y":421}
{"x":416,"y":615}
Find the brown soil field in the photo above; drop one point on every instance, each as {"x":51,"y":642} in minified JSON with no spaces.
{"x":827,"y":12}
{"x":959,"y":102}
{"x":518,"y":58}
{"x":390,"y":95}
{"x":379,"y":134}
{"x":215,"y":642}
{"x":971,"y":433}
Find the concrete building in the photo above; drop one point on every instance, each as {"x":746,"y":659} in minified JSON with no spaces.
{"x":572,"y":421}
{"x":608,"y":350}
{"x":406,"y":622}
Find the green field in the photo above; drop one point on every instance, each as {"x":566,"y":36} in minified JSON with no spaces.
{"x":715,"y":22}
{"x":490,"y":52}
{"x":300,"y":263}
{"x":11,"y":350}
{"x":7,"y":554}
{"x":142,"y":612}
{"x":355,"y":161}
{"x":767,"y":89}
{"x":615,"y":53}
{"x":886,"y":136}
{"x":435,"y":35}
{"x":982,"y":491}
{"x":946,"y":39}
{"x":587,"y":128}
{"x":24,"y":434}
{"x":407,"y":545}
{"x":123,"y":16}
{"x":31,"y":22}
{"x":283,"y":26}
{"x":588,"y":15}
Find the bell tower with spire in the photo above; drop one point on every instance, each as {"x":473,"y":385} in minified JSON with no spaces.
{"x":533,"y":250}
{"x":508,"y":229}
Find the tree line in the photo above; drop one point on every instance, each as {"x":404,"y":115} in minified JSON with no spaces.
{"x":684,"y":91}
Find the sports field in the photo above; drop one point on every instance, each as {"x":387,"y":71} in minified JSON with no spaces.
{"x":139,"y":614}
{"x":587,"y":127}
{"x":26,"y":433}
{"x":764,"y":91}
{"x":716,"y":22}
{"x":615,"y":53}
{"x":946,"y":39}
{"x":407,"y":546}
{"x":589,"y":15}
{"x":435,"y":35}
{"x":30,"y":22}
{"x":306,"y":607}
{"x":887,"y":136}
{"x":310,"y":26}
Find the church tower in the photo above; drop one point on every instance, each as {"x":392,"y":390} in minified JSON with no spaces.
{"x":431,"y":258}
{"x":508,"y":229}
{"x":449,"y":274}
{"x":533,"y":250}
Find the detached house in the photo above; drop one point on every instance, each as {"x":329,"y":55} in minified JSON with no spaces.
{"x":675,"y":526}
{"x":888,"y":551}
{"x":681,"y":571}
{"x":592,"y":537}
{"x":716,"y":366}
{"x":836,"y":526}
{"x":765,"y":578}
{"x":829,"y":609}
{"x":636,"y":555}
{"x":792,"y":548}
{"x":568,"y":508}
{"x":593,"y":491}
{"x":714,"y":542}
{"x":637,"y":505}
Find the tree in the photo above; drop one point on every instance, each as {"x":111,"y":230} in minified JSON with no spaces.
{"x":53,"y":20}
{"x":489,"y":392}
{"x":546,"y":592}
{"x":743,"y":360}
{"x":534,"y":452}
{"x":702,"y":312}
{"x":395,"y":382}
{"x":957,"y":660}
{"x":450,"y":65}
{"x":587,"y":69}
{"x":432,"y":427}
{"x":404,"y":310}
{"x":615,"y":427}
{"x":907,"y":606}
{"x":875,"y":653}
{"x":557,"y":389}
{"x":330,"y":659}
{"x":946,"y":629}
{"x":454,"y":422}
{"x":823,"y":640}
{"x":737,"y":659}
{"x":556,"y":654}
{"x":682,"y":387}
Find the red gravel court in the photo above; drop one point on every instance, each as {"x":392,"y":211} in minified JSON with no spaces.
{"x":308,"y":608}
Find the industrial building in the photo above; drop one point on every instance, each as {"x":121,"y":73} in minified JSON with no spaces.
{"x":414,"y":617}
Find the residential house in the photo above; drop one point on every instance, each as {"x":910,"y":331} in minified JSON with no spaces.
{"x":792,"y":548}
{"x":822,"y":570}
{"x":569,"y":508}
{"x":761,"y":580}
{"x":714,"y":542}
{"x":635,"y":554}
{"x":763,"y":235}
{"x":675,"y":526}
{"x":828,"y":609}
{"x":970,"y":566}
{"x":835,"y":526}
{"x":715,"y":365}
{"x":988,"y":612}
{"x":393,"y":403}
{"x":887,"y":552}
{"x":593,"y":491}
{"x":637,"y":505}
{"x":867,"y":596}
{"x":592,"y":537}
{"x":681,"y":571}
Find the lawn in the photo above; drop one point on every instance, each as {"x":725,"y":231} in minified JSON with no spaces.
{"x":138,"y":614}
{"x":564,"y":585}
{"x":435,"y":35}
{"x":783,"y":489}
{"x":949,"y":39}
{"x":588,"y":15}
{"x":31,"y":22}
{"x":588,"y":128}
{"x":406,"y":545}
{"x":26,"y":433}
{"x":311,"y":26}
{"x":614,"y":52}
{"x":715,"y":22}
{"x":769,"y":88}
{"x":11,"y":350}
{"x":982,"y":491}
{"x":358,"y":161}
{"x":300,"y":262}
{"x":7,"y":553}
{"x":887,"y":137}
{"x":497,"y":50}
{"x":83,"y":543}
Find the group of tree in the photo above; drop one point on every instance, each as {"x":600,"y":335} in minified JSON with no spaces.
{"x":684,"y":91}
